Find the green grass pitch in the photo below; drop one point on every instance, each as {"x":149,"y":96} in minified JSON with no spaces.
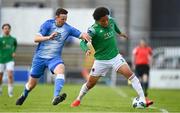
{"x":99,"y":99}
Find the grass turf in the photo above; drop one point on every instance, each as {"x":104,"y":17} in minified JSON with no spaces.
{"x":99,"y":99}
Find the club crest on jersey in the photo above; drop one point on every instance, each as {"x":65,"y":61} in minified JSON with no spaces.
{"x":108,"y":35}
{"x":93,"y":69}
{"x":111,"y":25}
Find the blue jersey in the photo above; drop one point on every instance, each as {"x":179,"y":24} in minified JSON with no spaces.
{"x":53,"y":48}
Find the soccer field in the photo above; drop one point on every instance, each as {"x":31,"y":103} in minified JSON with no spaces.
{"x":100,"y":99}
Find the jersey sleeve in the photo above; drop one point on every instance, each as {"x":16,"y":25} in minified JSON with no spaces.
{"x":44,"y":29}
{"x":83,"y":45}
{"x":75,"y":32}
{"x":91,"y":31}
{"x":116,"y":27}
{"x":150,"y":51}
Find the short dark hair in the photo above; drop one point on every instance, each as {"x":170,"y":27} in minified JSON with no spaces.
{"x":100,"y":12}
{"x":6,"y":24}
{"x":61,"y":11}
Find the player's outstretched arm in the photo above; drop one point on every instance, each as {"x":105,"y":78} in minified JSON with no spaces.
{"x":83,"y":46}
{"x":40,"y":38}
{"x":123,"y":35}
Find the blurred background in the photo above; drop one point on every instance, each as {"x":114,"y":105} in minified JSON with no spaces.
{"x":156,"y":21}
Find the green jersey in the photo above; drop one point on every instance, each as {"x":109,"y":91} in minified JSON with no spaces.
{"x":8,"y":46}
{"x":103,"y":40}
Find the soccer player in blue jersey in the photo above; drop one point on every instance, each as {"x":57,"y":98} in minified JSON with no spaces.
{"x":51,"y":38}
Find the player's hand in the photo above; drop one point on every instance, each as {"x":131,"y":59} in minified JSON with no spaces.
{"x":124,"y":35}
{"x":54,"y":34}
{"x":88,"y":52}
{"x":86,"y":37}
{"x":133,"y":67}
{"x":13,"y":55}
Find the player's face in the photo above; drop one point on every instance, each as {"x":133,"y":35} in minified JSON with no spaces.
{"x":6,"y":30}
{"x":104,"y":21}
{"x":142,"y":43}
{"x":61,"y":19}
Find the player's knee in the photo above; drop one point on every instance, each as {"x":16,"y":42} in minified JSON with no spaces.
{"x":10,"y":77}
{"x":31,"y":84}
{"x":145,"y":78}
{"x":90,"y":84}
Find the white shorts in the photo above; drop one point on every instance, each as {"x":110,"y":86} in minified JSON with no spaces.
{"x":101,"y":67}
{"x":9,"y":66}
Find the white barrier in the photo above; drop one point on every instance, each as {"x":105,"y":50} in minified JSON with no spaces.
{"x":165,"y":78}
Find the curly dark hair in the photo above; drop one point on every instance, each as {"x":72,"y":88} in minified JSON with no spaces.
{"x":6,"y":24}
{"x":100,"y":12}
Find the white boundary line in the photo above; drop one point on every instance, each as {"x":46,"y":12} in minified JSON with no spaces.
{"x":123,"y":94}
{"x":160,"y":109}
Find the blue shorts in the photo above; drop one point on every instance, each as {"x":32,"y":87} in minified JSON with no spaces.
{"x":40,"y":64}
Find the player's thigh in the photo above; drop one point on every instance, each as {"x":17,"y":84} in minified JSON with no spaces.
{"x":100,"y":68}
{"x":10,"y":66}
{"x":59,"y":69}
{"x":146,"y":69}
{"x":121,"y":66}
{"x":2,"y":67}
{"x":138,"y":71}
{"x":56,"y":66}
{"x":141,"y":70}
{"x":38,"y":67}
{"x":32,"y":82}
{"x":145,"y":76}
{"x":117,"y":62}
{"x":125,"y":71}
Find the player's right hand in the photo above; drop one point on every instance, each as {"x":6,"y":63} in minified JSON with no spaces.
{"x":54,"y":34}
{"x":88,"y":52}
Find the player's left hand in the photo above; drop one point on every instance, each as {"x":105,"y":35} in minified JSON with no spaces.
{"x":86,"y":37}
{"x":88,"y":52}
{"x":124,"y":35}
{"x":14,"y":54}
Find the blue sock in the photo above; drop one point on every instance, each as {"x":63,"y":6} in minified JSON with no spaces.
{"x":59,"y":83}
{"x":26,"y":92}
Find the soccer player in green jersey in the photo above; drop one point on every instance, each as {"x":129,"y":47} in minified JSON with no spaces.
{"x":8,"y":46}
{"x":103,"y":33}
